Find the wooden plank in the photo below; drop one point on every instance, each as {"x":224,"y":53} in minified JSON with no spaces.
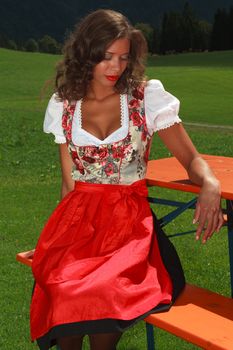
{"x":25,"y":257}
{"x":201,"y":317}
{"x":169,"y":173}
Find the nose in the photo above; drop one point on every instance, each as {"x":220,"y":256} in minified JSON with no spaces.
{"x":116,"y":65}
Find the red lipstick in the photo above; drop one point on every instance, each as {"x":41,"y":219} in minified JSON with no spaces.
{"x":112,"y":77}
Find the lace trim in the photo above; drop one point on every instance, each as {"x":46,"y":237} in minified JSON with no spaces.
{"x":80,"y":113}
{"x":168,"y":125}
{"x":81,"y":137}
{"x":122,"y":111}
{"x":59,"y":139}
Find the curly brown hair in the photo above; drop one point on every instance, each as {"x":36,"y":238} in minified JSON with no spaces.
{"x":86,"y":47}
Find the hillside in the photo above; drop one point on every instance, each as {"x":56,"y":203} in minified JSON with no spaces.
{"x":20,"y":20}
{"x":207,"y":99}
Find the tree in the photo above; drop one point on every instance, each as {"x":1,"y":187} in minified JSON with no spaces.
{"x":189,"y":28}
{"x":48,"y":44}
{"x":202,"y":35}
{"x":31,"y":45}
{"x":11,"y":44}
{"x":183,"y":32}
{"x":231,"y":28}
{"x":156,"y":41}
{"x":220,"y":39}
{"x":171,"y":33}
{"x":148,"y":33}
{"x":3,"y":40}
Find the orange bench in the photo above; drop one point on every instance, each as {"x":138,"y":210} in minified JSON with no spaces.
{"x":25,"y":257}
{"x":199,"y":316}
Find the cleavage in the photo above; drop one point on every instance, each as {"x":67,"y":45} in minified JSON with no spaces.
{"x":101,"y":119}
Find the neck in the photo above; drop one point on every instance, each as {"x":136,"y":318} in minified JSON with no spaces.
{"x":99,"y":93}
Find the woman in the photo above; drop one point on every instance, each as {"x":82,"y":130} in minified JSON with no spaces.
{"x":102,"y":263}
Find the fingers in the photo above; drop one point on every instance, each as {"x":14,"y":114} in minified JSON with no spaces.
{"x":208,"y":213}
{"x":221,"y":221}
{"x":212,"y":225}
{"x":201,"y":224}
{"x":197,"y":213}
{"x":208,"y":222}
{"x":200,"y":217}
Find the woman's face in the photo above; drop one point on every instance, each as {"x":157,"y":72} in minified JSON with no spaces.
{"x":108,"y":71}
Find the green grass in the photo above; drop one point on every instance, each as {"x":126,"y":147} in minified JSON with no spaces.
{"x":202,"y":82}
{"x":30,"y":177}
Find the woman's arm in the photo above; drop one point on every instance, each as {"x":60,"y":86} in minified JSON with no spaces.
{"x":66,"y":167}
{"x":208,"y":212}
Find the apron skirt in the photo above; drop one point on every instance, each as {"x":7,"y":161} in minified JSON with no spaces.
{"x":101,"y":264}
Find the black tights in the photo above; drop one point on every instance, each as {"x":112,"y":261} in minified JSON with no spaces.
{"x":105,"y":341}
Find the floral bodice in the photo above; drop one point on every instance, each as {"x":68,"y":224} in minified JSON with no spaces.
{"x":121,"y":162}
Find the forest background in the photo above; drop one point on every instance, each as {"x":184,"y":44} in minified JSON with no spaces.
{"x":169,"y":26}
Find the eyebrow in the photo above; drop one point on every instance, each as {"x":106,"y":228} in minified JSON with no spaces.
{"x":112,"y":53}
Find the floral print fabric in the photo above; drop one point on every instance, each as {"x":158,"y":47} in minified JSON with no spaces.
{"x":121,"y":162}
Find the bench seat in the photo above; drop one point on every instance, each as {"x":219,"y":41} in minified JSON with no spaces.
{"x":199,"y":316}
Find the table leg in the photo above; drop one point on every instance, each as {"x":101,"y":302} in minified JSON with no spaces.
{"x":229,"y":204}
{"x":181,"y":207}
{"x":150,"y":336}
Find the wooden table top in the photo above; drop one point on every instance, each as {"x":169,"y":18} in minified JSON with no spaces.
{"x":169,"y":173}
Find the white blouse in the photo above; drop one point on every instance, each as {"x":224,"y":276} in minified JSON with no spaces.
{"x":161,"y":111}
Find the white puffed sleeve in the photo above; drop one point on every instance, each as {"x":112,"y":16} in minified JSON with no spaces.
{"x":161,"y":108}
{"x":53,"y":119}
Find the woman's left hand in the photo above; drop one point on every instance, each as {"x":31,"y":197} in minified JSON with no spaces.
{"x":208,"y":213}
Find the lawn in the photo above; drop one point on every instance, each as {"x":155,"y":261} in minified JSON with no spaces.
{"x":30,"y":176}
{"x":202,"y":82}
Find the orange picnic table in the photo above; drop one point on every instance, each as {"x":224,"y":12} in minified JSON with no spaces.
{"x":202,"y":307}
{"x":169,"y":173}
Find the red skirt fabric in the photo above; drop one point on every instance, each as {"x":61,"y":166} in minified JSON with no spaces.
{"x":97,"y":258}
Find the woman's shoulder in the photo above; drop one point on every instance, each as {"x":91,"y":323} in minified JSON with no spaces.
{"x":161,"y":107}
{"x":53,"y":118}
{"x":55,"y":102}
{"x":54,"y":110}
{"x":147,"y":87}
{"x":153,"y":84}
{"x":155,"y":92}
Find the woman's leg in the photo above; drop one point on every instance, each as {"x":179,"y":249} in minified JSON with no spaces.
{"x":104,"y":341}
{"x":70,"y":343}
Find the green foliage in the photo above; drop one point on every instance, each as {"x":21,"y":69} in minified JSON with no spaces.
{"x":189,"y":25}
{"x":20,"y":20}
{"x":222,"y":34}
{"x":202,"y":35}
{"x":171,"y":33}
{"x":11,"y":45}
{"x":30,"y":178}
{"x":183,"y":32}
{"x":48,"y":44}
{"x":148,"y":33}
{"x":31,"y":45}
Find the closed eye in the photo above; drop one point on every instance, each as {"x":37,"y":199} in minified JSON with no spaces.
{"x":108,"y":56}
{"x":125,"y":58}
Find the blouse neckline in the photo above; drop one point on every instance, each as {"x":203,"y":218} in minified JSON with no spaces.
{"x":116,"y":135}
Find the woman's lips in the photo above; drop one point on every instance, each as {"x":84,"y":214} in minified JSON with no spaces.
{"x":112,"y":77}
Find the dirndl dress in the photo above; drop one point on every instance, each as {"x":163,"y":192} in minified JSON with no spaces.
{"x":102,"y":262}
